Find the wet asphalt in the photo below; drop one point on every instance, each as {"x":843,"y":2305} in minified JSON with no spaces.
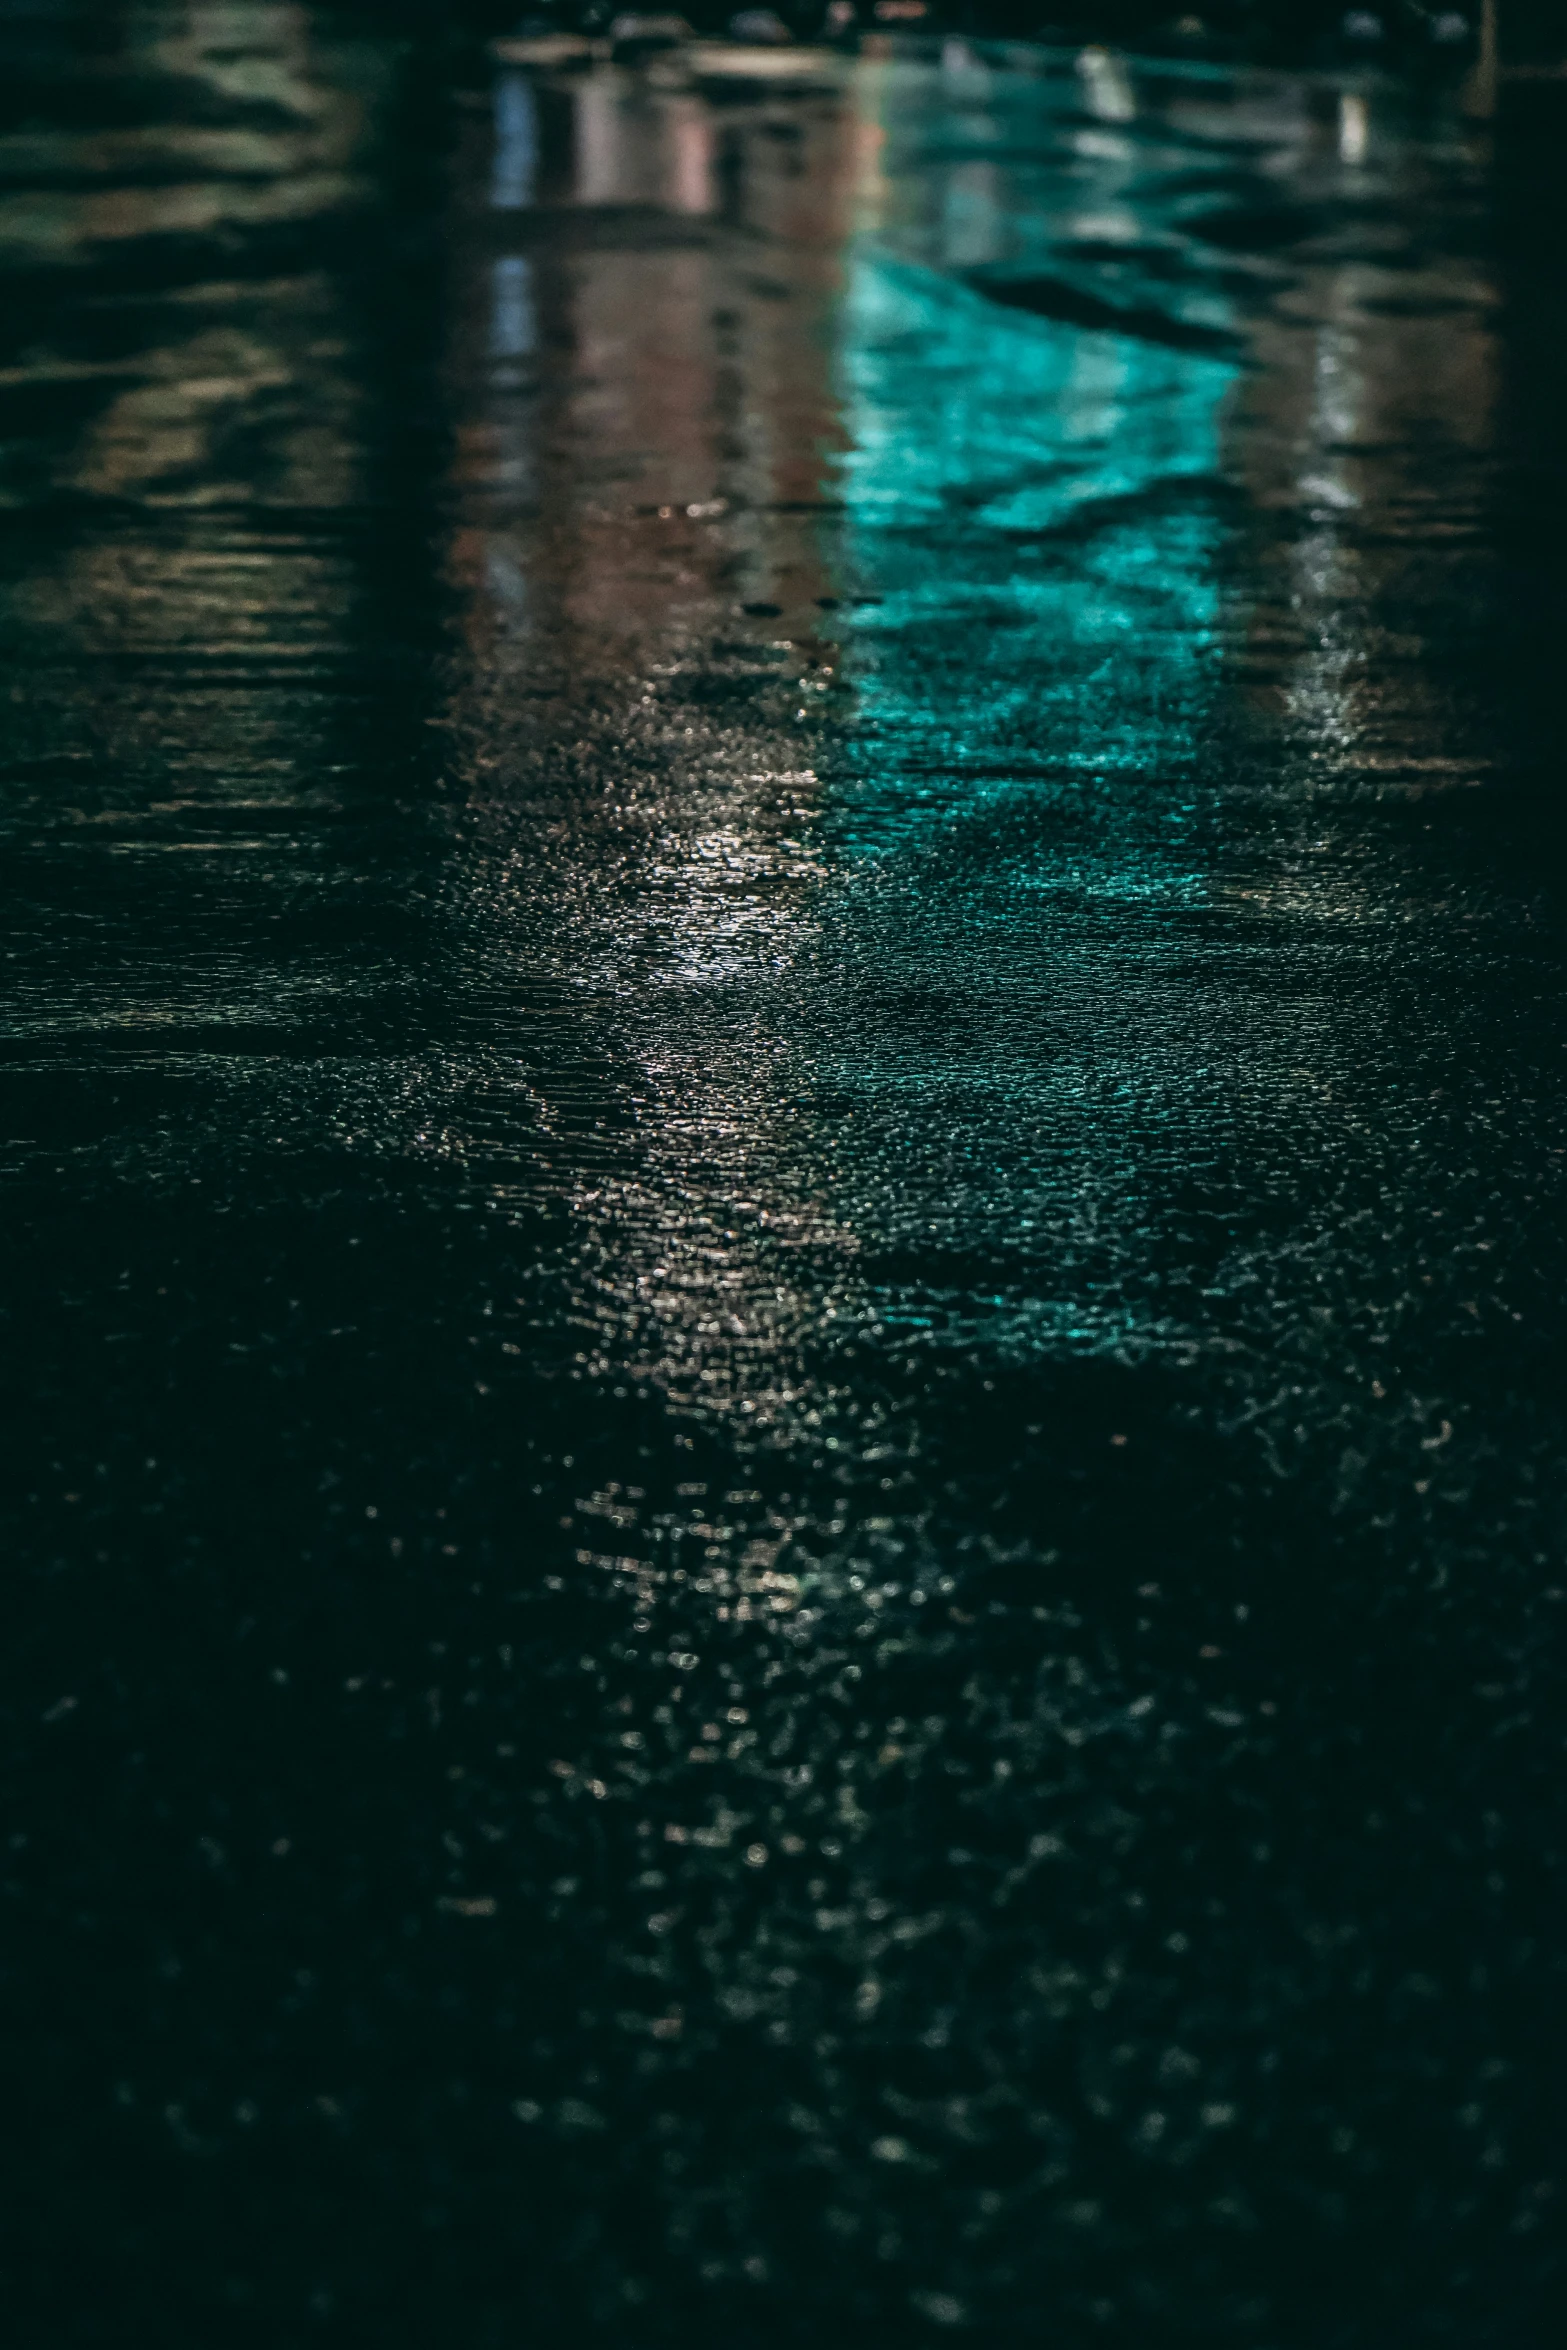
{"x":784,"y":1142}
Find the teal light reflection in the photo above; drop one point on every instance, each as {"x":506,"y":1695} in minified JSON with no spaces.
{"x":1026,"y":501}
{"x":1019,"y":794}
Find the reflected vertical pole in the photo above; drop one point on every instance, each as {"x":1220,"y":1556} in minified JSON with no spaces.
{"x":1480,"y":97}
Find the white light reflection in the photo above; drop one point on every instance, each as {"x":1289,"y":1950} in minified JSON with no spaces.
{"x":1354,"y":127}
{"x":1107,"y":86}
{"x":1328,"y":686}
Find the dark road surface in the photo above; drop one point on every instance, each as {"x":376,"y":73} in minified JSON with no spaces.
{"x":785,"y":1109}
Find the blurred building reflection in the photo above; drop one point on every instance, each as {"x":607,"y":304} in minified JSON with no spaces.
{"x":843,"y":474}
{"x":643,"y":373}
{"x":1370,"y":415}
{"x":211,"y":507}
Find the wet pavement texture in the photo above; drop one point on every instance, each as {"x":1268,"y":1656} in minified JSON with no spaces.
{"x":784,"y":1180}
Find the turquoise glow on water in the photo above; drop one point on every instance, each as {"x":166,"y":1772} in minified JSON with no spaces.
{"x":1025,"y":769}
{"x":1026,"y":505}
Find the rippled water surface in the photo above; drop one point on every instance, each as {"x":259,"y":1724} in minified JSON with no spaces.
{"x":784,"y":1158}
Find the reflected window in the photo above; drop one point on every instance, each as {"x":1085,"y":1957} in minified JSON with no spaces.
{"x":513,"y":321}
{"x":516,"y":168}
